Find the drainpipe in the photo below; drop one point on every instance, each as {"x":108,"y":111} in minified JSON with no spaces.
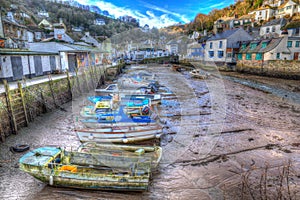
{"x":28,"y":60}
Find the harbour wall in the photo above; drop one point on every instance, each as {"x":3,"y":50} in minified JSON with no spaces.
{"x":22,"y":104}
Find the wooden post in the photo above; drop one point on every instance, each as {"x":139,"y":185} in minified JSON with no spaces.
{"x":92,"y":76}
{"x":13,"y":124}
{"x":51,"y":90}
{"x":2,"y":133}
{"x":86,"y":80}
{"x":44,"y":107}
{"x":23,"y":102}
{"x":69,"y":84}
{"x":78,"y":83}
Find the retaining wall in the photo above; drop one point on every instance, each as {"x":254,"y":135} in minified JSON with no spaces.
{"x":46,"y":96}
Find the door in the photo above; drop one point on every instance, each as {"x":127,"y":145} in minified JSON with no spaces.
{"x":72,"y":62}
{"x":17,"y":68}
{"x":38,"y":65}
{"x":296,"y":56}
{"x":52,"y":63}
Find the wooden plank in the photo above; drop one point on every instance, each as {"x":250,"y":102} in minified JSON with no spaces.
{"x":51,"y":90}
{"x":13,"y":124}
{"x":23,"y":102}
{"x":69,"y":84}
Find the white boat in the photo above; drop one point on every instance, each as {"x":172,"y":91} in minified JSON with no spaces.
{"x":119,"y":136}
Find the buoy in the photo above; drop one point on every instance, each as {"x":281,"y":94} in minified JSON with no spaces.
{"x":125,"y":140}
{"x":51,"y":180}
{"x":157,"y":136}
{"x":91,"y":136}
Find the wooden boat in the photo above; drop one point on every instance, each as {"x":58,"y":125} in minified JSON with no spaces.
{"x":75,"y":169}
{"x":119,"y":135}
{"x":198,"y":73}
{"x":90,"y":111}
{"x":154,"y":152}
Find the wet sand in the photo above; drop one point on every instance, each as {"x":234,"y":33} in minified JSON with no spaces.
{"x":221,"y":130}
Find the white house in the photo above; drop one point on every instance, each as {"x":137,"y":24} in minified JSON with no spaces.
{"x":222,"y":47}
{"x":288,"y":8}
{"x":99,"y":22}
{"x":272,"y":28}
{"x":264,"y":13}
{"x":60,"y":34}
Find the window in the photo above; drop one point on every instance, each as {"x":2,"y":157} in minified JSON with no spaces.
{"x":264,"y":44}
{"x":210,"y":45}
{"x":273,"y":29}
{"x":240,"y":56}
{"x":229,"y":55}
{"x":258,"y":56}
{"x":297,"y":31}
{"x":244,"y":46}
{"x":211,"y":54}
{"x":268,"y":30}
{"x":253,"y":46}
{"x":220,"y":54}
{"x":259,"y":13}
{"x":288,"y":7}
{"x":248,"y":56}
{"x":220,"y":44}
{"x":278,"y":56}
{"x":289,"y":43}
{"x":297,"y":44}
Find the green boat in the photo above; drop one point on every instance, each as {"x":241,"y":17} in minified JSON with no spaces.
{"x":61,"y":168}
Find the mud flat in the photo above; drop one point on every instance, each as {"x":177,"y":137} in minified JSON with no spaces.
{"x":226,"y":141}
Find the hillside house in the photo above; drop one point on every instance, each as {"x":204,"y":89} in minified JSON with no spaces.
{"x":16,"y":32}
{"x":222,"y":47}
{"x":90,"y":40}
{"x":45,"y":24}
{"x":60,"y":34}
{"x":272,"y":28}
{"x":264,"y":13}
{"x":99,"y":21}
{"x":288,"y":8}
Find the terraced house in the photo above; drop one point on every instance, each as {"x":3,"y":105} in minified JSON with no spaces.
{"x":261,"y":55}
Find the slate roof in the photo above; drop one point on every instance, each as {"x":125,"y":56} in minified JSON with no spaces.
{"x":273,"y":22}
{"x":223,"y":35}
{"x":272,"y":43}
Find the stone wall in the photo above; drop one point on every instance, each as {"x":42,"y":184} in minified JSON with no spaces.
{"x":275,"y":68}
{"x":47,"y":96}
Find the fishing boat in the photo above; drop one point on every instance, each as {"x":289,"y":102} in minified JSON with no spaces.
{"x":154,"y":152}
{"x":98,"y":123}
{"x":93,"y":112}
{"x":198,"y":73}
{"x":84,"y":170}
{"x":124,"y":135}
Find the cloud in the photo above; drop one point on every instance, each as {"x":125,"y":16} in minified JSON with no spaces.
{"x":150,"y":18}
{"x":153,"y":7}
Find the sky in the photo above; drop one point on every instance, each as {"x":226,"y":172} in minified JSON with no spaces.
{"x":159,"y":13}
